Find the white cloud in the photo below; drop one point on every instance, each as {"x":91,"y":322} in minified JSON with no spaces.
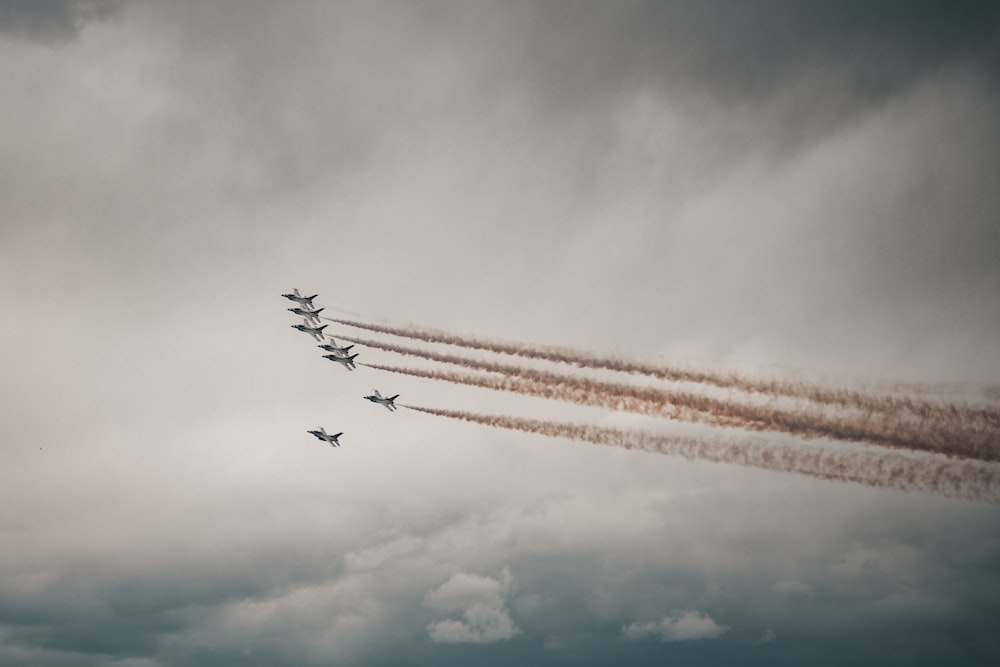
{"x":679,"y":626}
{"x":485,"y":618}
{"x":483,"y":623}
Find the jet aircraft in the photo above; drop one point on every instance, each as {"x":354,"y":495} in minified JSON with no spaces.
{"x":315,"y":332}
{"x":306,"y":301}
{"x":382,"y":400}
{"x":308,"y":314}
{"x":347,"y":362}
{"x":339,"y":351}
{"x":323,"y":435}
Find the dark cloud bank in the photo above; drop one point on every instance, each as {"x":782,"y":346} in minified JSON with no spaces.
{"x":51,"y":21}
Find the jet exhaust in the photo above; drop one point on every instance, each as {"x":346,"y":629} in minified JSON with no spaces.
{"x":921,"y":443}
{"x":891,"y":431}
{"x":985,"y":418}
{"x":970,"y":480}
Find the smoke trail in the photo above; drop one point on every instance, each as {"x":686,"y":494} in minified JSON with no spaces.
{"x":980,"y":418}
{"x":961,"y":479}
{"x":889,"y":431}
{"x":570,"y":393}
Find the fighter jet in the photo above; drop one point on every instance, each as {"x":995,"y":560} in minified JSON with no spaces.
{"x":308,"y":314}
{"x":323,"y":435}
{"x":339,"y":351}
{"x":387,"y":402}
{"x":306,"y":301}
{"x":348,"y":362}
{"x":315,"y":332}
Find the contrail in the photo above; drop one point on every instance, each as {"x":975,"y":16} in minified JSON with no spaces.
{"x":889,"y":431}
{"x":982,"y":418}
{"x":971,"y":480}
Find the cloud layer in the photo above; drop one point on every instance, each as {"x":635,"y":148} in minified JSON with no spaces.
{"x":808,"y":188}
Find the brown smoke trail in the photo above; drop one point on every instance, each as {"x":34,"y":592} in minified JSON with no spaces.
{"x":971,"y":480}
{"x":976,"y":418}
{"x":578,"y":394}
{"x":810,"y":423}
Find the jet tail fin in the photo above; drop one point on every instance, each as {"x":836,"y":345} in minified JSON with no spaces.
{"x":393,"y":398}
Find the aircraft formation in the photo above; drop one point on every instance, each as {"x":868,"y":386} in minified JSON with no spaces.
{"x":904,"y":439}
{"x":309,"y":313}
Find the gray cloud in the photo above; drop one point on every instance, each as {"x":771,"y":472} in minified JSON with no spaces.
{"x":52,"y":20}
{"x":678,"y":626}
{"x":313,"y":602}
{"x":482,"y":603}
{"x":807,"y":186}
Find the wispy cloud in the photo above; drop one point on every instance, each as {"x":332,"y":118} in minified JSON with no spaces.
{"x":677,"y":627}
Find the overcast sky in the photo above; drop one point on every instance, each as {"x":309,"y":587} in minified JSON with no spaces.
{"x":776,"y":187}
